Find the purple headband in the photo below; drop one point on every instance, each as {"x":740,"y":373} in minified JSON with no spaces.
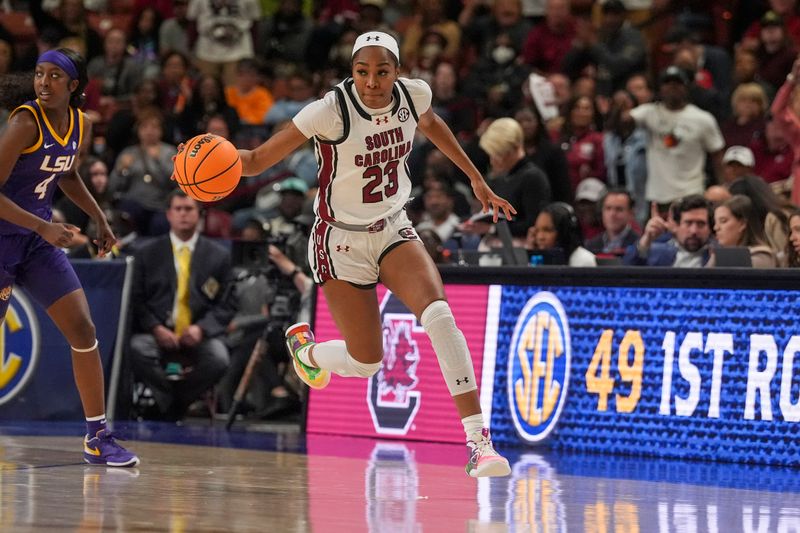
{"x":60,"y":60}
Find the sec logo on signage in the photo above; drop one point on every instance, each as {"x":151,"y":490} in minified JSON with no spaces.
{"x":19,"y":347}
{"x":538,"y":366}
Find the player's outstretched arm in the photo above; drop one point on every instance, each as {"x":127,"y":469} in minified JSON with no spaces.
{"x":274,"y":149}
{"x":437,"y":131}
{"x":76,"y":190}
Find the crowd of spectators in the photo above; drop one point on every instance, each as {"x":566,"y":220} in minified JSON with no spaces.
{"x":643,"y":132}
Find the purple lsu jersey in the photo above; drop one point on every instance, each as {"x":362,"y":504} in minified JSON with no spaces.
{"x":35,"y":176}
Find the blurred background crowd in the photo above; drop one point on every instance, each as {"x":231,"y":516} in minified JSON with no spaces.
{"x":638,"y":132}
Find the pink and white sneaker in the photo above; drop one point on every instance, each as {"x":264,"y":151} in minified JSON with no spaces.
{"x":484,"y":461}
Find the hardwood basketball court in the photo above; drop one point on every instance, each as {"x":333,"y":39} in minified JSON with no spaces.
{"x":201,"y":478}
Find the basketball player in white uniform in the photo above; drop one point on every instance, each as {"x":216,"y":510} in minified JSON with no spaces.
{"x":363,"y":132}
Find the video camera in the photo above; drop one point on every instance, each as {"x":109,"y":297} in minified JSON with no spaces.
{"x":251,"y":258}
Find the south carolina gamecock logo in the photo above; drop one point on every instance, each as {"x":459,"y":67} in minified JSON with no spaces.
{"x":19,"y":346}
{"x":391,"y":396}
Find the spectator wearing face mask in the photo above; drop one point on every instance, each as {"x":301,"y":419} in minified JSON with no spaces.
{"x":505,"y":16}
{"x":431,"y":53}
{"x":430,"y":15}
{"x":496,"y":79}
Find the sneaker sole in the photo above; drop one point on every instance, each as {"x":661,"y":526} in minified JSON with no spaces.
{"x":129,"y":464}
{"x":495,"y":468}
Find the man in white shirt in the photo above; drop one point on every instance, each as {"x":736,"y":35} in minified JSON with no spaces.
{"x":223,"y":34}
{"x":680,"y":137}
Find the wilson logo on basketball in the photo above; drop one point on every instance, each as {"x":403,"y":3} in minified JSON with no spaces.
{"x":19,"y":346}
{"x":538,"y":366}
{"x":199,"y":144}
{"x":391,"y":396}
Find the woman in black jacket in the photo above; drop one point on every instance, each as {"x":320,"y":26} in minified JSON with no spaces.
{"x":513,"y":175}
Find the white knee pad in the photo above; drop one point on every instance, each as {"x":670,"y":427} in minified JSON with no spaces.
{"x":450,"y":346}
{"x":358,"y":369}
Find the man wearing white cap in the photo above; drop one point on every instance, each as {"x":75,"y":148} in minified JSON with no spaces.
{"x":738,"y":161}
{"x":363,"y":132}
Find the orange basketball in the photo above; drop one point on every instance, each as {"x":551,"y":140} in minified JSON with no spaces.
{"x":208,"y":167}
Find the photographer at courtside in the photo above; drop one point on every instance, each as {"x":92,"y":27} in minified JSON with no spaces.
{"x":271,"y":290}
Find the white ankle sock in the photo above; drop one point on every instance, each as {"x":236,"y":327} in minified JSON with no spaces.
{"x":472,"y":424}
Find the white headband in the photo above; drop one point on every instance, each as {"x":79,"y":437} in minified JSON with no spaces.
{"x":377,"y":38}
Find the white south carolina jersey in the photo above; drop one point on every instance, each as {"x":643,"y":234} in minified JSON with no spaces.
{"x":362,"y":153}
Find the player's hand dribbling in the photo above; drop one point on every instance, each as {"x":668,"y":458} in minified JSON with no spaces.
{"x":57,"y":234}
{"x":180,"y":149}
{"x":491,"y":202}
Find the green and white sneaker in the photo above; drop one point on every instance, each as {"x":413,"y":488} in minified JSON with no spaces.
{"x":299,"y":336}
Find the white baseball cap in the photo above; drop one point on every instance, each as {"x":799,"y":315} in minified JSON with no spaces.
{"x":739,"y":154}
{"x":377,"y":38}
{"x":591,"y":189}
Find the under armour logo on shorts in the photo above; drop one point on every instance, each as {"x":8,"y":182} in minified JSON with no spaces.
{"x":465,"y":380}
{"x":340,"y":248}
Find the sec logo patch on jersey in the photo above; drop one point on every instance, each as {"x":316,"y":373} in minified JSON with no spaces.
{"x":538,"y":366}
{"x":19,"y":347}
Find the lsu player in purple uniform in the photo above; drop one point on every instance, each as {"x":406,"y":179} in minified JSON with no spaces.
{"x":363,"y":132}
{"x":38,"y":152}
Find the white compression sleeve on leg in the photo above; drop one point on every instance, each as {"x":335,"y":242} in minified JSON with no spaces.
{"x":450,"y":347}
{"x":333,"y":356}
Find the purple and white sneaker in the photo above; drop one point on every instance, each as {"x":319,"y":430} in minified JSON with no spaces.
{"x":104,"y":450}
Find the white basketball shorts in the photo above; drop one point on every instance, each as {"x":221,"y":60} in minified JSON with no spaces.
{"x":355,"y":255}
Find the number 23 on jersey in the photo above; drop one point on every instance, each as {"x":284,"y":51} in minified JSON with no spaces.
{"x":375,"y":190}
